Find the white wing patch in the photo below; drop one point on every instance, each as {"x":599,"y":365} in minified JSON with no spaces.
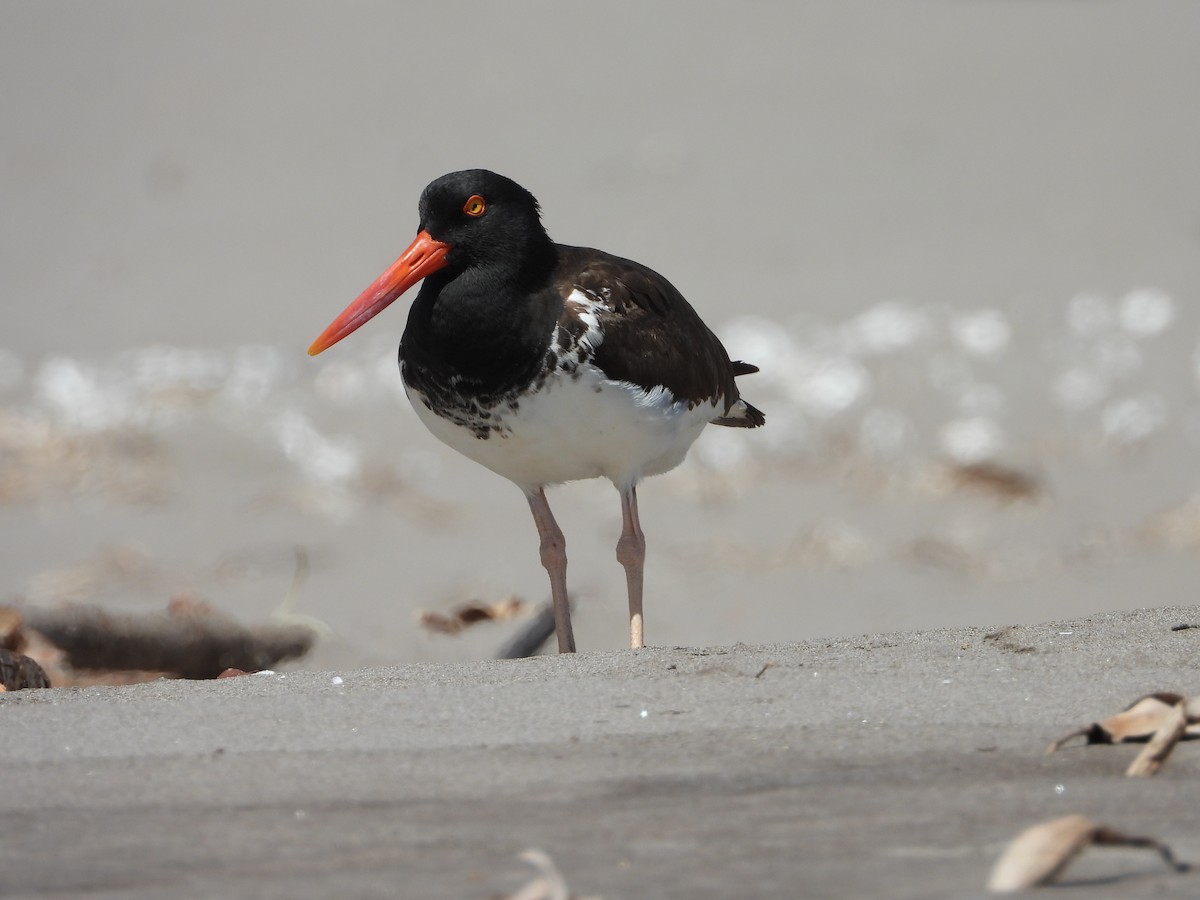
{"x":586,"y":307}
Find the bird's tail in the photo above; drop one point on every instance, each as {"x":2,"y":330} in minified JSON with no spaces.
{"x":742,"y":414}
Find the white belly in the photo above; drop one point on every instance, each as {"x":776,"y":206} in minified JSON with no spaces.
{"x":579,"y":426}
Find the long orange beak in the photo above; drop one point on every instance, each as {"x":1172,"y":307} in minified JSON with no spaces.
{"x":424,"y":256}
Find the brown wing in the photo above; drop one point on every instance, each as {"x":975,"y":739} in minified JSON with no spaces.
{"x":652,"y":336}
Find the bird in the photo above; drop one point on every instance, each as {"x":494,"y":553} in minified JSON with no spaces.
{"x":549,"y":363}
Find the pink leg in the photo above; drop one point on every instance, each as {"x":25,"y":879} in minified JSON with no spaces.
{"x":554,"y":558}
{"x":631,"y":553}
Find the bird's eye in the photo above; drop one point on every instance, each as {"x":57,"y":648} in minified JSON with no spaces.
{"x":474,"y":206}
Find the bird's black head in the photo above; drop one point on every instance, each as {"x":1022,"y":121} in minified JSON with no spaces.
{"x":485,"y":219}
{"x":477,"y":227}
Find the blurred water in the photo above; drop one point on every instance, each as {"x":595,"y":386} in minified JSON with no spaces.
{"x":899,"y":382}
{"x":1090,"y":407}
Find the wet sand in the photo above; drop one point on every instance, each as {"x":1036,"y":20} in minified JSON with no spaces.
{"x":890,"y":765}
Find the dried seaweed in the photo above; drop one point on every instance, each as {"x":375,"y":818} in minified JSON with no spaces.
{"x":1162,"y":719}
{"x":468,"y":614}
{"x":1040,"y":853}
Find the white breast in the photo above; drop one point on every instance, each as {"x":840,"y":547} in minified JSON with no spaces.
{"x":580,"y":425}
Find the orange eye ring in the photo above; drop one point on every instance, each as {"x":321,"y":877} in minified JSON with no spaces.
{"x":474,"y":206}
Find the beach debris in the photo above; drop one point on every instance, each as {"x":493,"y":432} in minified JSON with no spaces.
{"x":10,"y":628}
{"x":467,"y":614}
{"x":1003,"y":482}
{"x":1138,"y":721}
{"x":83,"y":644}
{"x":287,"y":612}
{"x":1172,"y":728}
{"x":18,"y":672}
{"x":1162,"y":720}
{"x":532,"y":637}
{"x":1040,"y":853}
{"x":549,"y":883}
{"x":1008,"y":638}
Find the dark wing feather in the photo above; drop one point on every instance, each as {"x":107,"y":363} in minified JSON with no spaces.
{"x":652,"y":336}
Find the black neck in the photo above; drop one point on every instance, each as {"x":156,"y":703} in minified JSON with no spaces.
{"x":483,"y":329}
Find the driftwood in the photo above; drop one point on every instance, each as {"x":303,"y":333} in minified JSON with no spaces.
{"x":189,"y":640}
{"x":530,"y":639}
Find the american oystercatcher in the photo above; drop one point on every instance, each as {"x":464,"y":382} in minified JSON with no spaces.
{"x":548,"y":363}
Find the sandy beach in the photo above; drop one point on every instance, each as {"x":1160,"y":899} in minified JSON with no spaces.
{"x":961,"y":241}
{"x":891,"y":765}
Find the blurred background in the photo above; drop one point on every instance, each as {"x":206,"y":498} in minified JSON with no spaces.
{"x":961,"y":239}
